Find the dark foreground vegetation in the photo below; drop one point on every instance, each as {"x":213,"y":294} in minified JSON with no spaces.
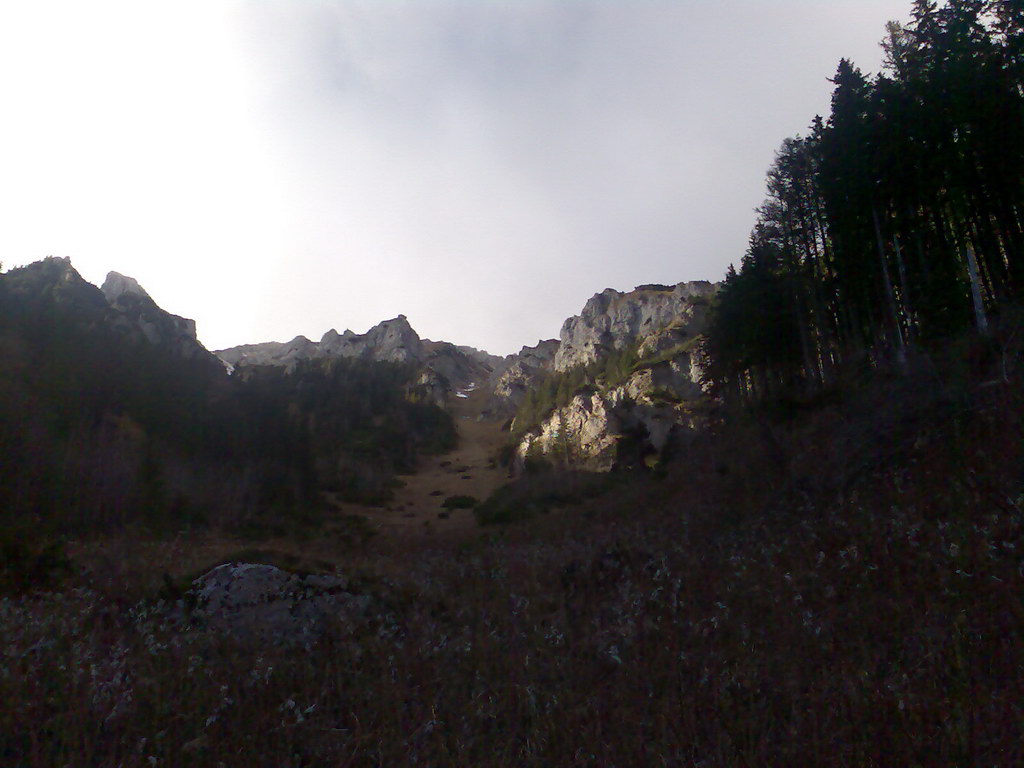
{"x":838,"y":587}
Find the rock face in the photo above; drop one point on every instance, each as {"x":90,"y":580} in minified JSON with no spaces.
{"x":445,"y":367}
{"x":121,"y":305}
{"x":626,"y":415}
{"x":392,"y":341}
{"x":138,"y":313}
{"x":517,"y":375}
{"x":612,"y":320}
{"x":264,"y":605}
{"x":623,"y":426}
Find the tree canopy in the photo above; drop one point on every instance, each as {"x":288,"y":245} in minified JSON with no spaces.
{"x":898,"y":219}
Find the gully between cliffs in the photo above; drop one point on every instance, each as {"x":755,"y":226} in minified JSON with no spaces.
{"x":417,"y":508}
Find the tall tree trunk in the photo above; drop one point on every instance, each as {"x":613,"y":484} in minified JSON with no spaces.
{"x":967,"y":254}
{"x":904,"y":288}
{"x":972,"y":273}
{"x":901,"y":353}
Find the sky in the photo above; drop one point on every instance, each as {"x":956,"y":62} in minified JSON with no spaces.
{"x":273,"y":168}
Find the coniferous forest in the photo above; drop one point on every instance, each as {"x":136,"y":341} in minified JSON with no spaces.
{"x":897,"y":222}
{"x":101,"y":431}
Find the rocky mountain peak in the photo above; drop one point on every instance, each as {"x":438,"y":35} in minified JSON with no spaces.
{"x":613,"y":320}
{"x":445,"y":366}
{"x":117,"y":285}
{"x":392,"y":341}
{"x":138,"y":313}
{"x":121,"y":305}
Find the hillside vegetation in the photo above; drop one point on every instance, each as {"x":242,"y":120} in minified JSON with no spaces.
{"x":101,"y":430}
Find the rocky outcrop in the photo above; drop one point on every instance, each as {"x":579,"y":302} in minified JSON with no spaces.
{"x":630,"y":411}
{"x":612,"y":320}
{"x":121,"y":305}
{"x":392,"y":341}
{"x":137,"y":314}
{"x":515,"y":377}
{"x":626,"y":425}
{"x":264,"y":605}
{"x":445,"y":367}
{"x":117,"y":285}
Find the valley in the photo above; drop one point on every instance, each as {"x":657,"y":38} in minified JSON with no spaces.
{"x":469,"y":470}
{"x":772,"y":520}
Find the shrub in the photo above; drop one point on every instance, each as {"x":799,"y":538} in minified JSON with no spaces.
{"x":460,"y":502}
{"x":30,"y":562}
{"x":539,"y":492}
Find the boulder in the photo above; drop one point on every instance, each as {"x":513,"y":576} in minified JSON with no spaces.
{"x":263,"y":604}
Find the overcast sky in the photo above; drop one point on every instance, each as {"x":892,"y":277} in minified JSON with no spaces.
{"x":283,"y":167}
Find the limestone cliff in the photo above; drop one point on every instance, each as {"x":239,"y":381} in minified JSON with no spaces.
{"x":135,"y":313}
{"x":517,"y":375}
{"x":612,"y":320}
{"x":624,"y":379}
{"x":627,"y":425}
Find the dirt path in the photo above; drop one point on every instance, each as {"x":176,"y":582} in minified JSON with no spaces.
{"x":469,"y":470}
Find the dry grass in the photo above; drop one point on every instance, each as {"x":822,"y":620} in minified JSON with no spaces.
{"x":743,"y":611}
{"x":470,"y":469}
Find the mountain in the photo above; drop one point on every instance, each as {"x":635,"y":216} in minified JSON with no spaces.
{"x":517,"y":375}
{"x":392,"y":341}
{"x":113,"y":413}
{"x":121,"y":306}
{"x":442,"y":367}
{"x":661,"y":316}
{"x":621,"y":382}
{"x":137,"y":313}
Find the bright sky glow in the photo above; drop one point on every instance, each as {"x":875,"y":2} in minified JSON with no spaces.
{"x":279,"y":167}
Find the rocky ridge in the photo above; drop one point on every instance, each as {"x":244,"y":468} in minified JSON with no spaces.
{"x":139,"y":314}
{"x":120,"y":305}
{"x":608,"y":420}
{"x":613,"y":320}
{"x":623,"y":417}
{"x":445,"y":368}
{"x":517,"y":374}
